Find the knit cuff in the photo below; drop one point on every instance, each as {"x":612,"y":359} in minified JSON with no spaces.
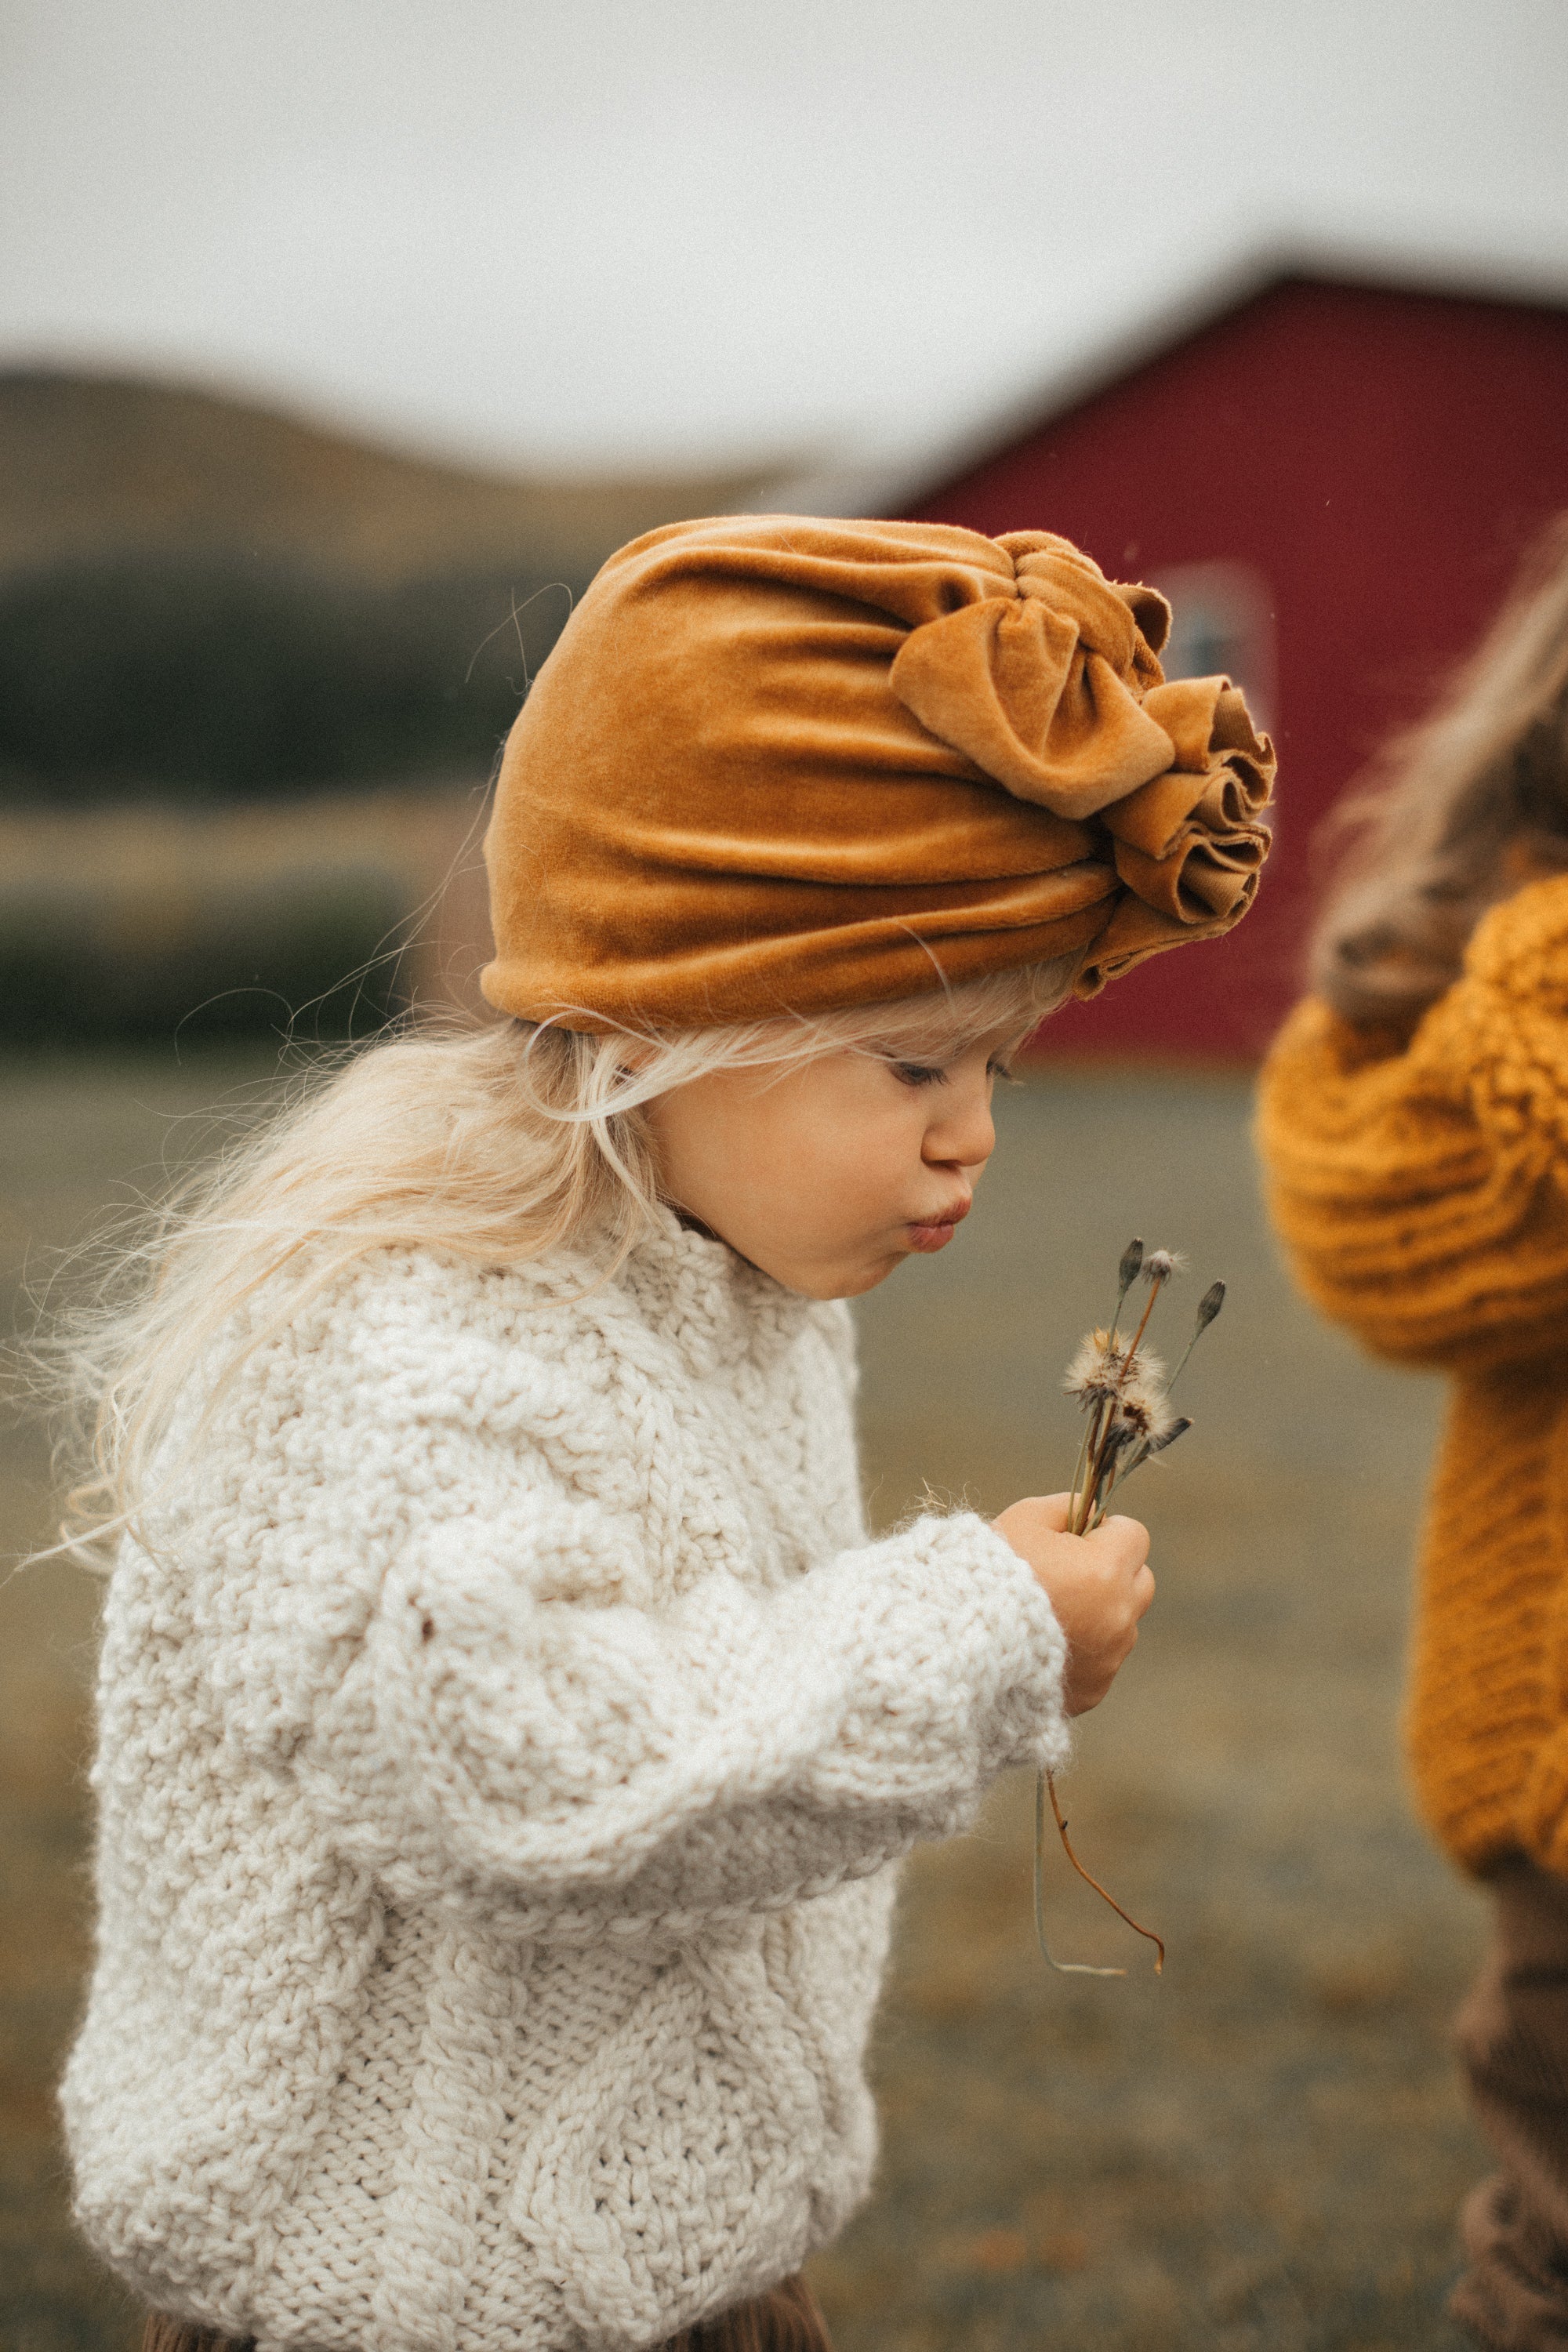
{"x":962,"y":1675}
{"x":1542,"y":1826}
{"x":1504,"y":1021}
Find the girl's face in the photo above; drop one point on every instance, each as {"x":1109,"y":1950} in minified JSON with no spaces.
{"x":829,"y":1175}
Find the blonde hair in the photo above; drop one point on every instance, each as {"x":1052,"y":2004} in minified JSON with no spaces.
{"x":1459,"y":809}
{"x":495,"y":1145}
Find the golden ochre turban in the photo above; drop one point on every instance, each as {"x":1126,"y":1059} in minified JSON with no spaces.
{"x":776,"y":764}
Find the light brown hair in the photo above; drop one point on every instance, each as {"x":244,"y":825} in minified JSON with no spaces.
{"x":1457,"y":811}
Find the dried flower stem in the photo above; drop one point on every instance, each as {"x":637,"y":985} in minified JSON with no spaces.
{"x":1100,"y":1462}
{"x":1086,"y":1474}
{"x":1046,"y":1787}
{"x":1144,"y":1326}
{"x":1080,"y":1466}
{"x":1127,"y":1274}
{"x":1209,"y":1306}
{"x":1126,"y":1421}
{"x":1062,"y":1968}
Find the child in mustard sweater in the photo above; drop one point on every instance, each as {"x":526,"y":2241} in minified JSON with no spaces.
{"x":1414,"y":1127}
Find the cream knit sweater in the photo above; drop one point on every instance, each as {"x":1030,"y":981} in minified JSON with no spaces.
{"x":500,"y":1765}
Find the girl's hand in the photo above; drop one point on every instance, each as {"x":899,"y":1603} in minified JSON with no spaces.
{"x":1098,"y":1584}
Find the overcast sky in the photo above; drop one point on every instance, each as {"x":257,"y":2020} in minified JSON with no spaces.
{"x":603,"y":234}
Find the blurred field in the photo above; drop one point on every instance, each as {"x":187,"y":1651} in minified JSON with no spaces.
{"x":202,"y":599}
{"x":97,"y":464}
{"x":1259,"y":2153}
{"x":121,"y":926}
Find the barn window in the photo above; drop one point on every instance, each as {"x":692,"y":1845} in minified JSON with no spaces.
{"x":1222,"y":620}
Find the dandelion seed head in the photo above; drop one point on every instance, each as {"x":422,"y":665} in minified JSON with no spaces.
{"x":1160,"y":1265}
{"x":1144,"y":1408}
{"x":1096,"y":1370}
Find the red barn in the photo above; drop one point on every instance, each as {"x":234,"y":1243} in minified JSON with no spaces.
{"x":1333,"y":480}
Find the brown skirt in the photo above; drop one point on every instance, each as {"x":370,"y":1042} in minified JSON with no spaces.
{"x":788,"y":2318}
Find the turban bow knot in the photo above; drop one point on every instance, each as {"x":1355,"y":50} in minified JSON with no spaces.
{"x":1055,"y":692}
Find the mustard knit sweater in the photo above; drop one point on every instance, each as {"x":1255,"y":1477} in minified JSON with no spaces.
{"x":1421,"y":1190}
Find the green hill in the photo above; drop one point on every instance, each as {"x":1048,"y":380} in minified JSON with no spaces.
{"x":92,"y":465}
{"x":201,"y":598}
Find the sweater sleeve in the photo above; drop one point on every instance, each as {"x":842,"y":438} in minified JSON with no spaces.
{"x":497,"y":1727}
{"x":1418,"y":1187}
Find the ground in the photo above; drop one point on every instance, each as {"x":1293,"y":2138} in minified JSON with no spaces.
{"x":1260,"y":2151}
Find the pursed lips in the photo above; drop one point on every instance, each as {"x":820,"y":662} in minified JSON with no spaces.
{"x":934,"y":1232}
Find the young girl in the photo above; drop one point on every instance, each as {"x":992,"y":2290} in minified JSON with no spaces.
{"x":1415,"y":1128}
{"x":505,"y":1727}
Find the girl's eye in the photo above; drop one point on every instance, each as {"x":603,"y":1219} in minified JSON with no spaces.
{"x":999,"y":1066}
{"x":918,"y":1074}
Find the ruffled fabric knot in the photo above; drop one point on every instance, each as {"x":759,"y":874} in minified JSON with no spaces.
{"x":1053,"y":687}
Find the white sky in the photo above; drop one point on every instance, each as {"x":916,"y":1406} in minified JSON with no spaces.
{"x":597,"y":233}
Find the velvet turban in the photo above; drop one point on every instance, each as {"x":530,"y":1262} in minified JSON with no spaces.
{"x":777,"y":764}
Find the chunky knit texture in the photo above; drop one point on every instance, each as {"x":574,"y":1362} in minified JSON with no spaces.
{"x":503,"y":1742}
{"x":1421,"y":1189}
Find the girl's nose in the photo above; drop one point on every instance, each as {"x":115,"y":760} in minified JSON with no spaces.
{"x":963,"y":1135}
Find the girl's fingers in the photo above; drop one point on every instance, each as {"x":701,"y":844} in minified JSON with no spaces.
{"x":1056,"y":1508}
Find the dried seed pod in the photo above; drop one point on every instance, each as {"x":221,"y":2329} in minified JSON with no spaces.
{"x":1209,"y":1306}
{"x":1160,"y":1265}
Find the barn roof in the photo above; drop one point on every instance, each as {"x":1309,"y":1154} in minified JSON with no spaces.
{"x":1062,"y":380}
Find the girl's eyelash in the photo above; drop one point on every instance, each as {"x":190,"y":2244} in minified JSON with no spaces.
{"x":927,"y":1074}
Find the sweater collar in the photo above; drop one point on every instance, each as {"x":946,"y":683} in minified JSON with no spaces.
{"x":714,"y":1304}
